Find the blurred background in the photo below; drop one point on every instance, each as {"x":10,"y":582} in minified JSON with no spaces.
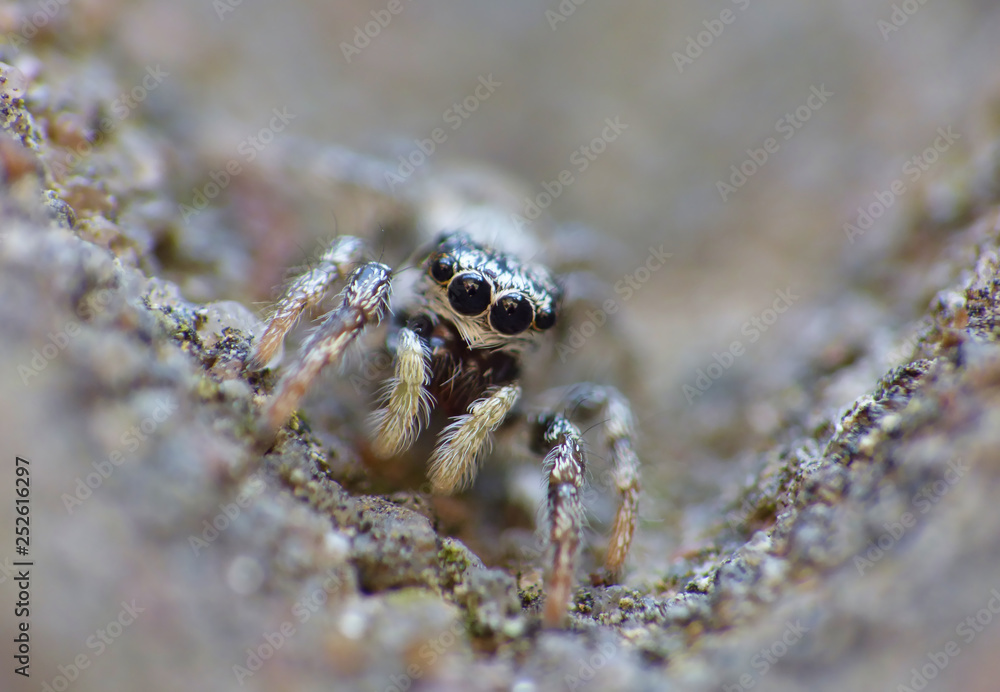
{"x":740,"y":136}
{"x":690,"y":120}
{"x":843,"y":95}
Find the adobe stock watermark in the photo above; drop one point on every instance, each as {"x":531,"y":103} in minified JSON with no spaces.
{"x":564,"y":11}
{"x":369,"y":31}
{"x":30,"y":25}
{"x":274,"y":640}
{"x":248,"y":148}
{"x":57,"y":341}
{"x":130,"y":441}
{"x":580,"y":160}
{"x":99,"y":642}
{"x":429,"y":654}
{"x":786,"y":126}
{"x":626,"y":287}
{"x":913,"y":170}
{"x":121,"y":108}
{"x":753,"y":329}
{"x":586,"y":668}
{"x":228,"y":513}
{"x":736,"y":519}
{"x":901,"y":14}
{"x":925,"y":499}
{"x":695,"y":46}
{"x":375,"y":367}
{"x":224,"y":7}
{"x":768,"y":656}
{"x":454,"y":116}
{"x":967,"y":630}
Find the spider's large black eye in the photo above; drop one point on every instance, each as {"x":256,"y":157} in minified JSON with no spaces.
{"x":469,"y":293}
{"x":442,"y":268}
{"x":511,"y":314}
{"x":545,"y":319}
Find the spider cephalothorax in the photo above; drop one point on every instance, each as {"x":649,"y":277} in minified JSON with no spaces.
{"x":457,"y":342}
{"x":475,"y":311}
{"x":494,"y":300}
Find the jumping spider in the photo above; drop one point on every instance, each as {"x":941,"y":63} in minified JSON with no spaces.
{"x":457,"y":344}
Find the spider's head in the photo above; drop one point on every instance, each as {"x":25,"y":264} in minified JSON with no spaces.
{"x":495,"y":300}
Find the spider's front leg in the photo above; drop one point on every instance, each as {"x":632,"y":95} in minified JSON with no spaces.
{"x":407,"y":401}
{"x":565,"y":464}
{"x":463,"y":442}
{"x":363,"y":302}
{"x":305,"y":292}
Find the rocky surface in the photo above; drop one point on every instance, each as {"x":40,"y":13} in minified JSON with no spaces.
{"x":853,"y":548}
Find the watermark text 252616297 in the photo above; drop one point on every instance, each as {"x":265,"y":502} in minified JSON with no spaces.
{"x":22,"y":508}
{"x":22,"y":578}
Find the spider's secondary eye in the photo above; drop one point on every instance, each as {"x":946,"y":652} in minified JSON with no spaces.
{"x":544,"y":319}
{"x":469,"y":293}
{"x":511,"y":314}
{"x":442,"y":268}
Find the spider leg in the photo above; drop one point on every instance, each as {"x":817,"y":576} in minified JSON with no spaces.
{"x":305,"y":292}
{"x":619,"y":436}
{"x":407,"y":403}
{"x":463,"y":441}
{"x":565,"y":464}
{"x":363,"y":302}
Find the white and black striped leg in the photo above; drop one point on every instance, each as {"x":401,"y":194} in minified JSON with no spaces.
{"x":363,"y":302}
{"x":305,"y":292}
{"x":619,"y":437}
{"x":565,"y":464}
{"x":454,"y":462}
{"x":407,"y":401}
